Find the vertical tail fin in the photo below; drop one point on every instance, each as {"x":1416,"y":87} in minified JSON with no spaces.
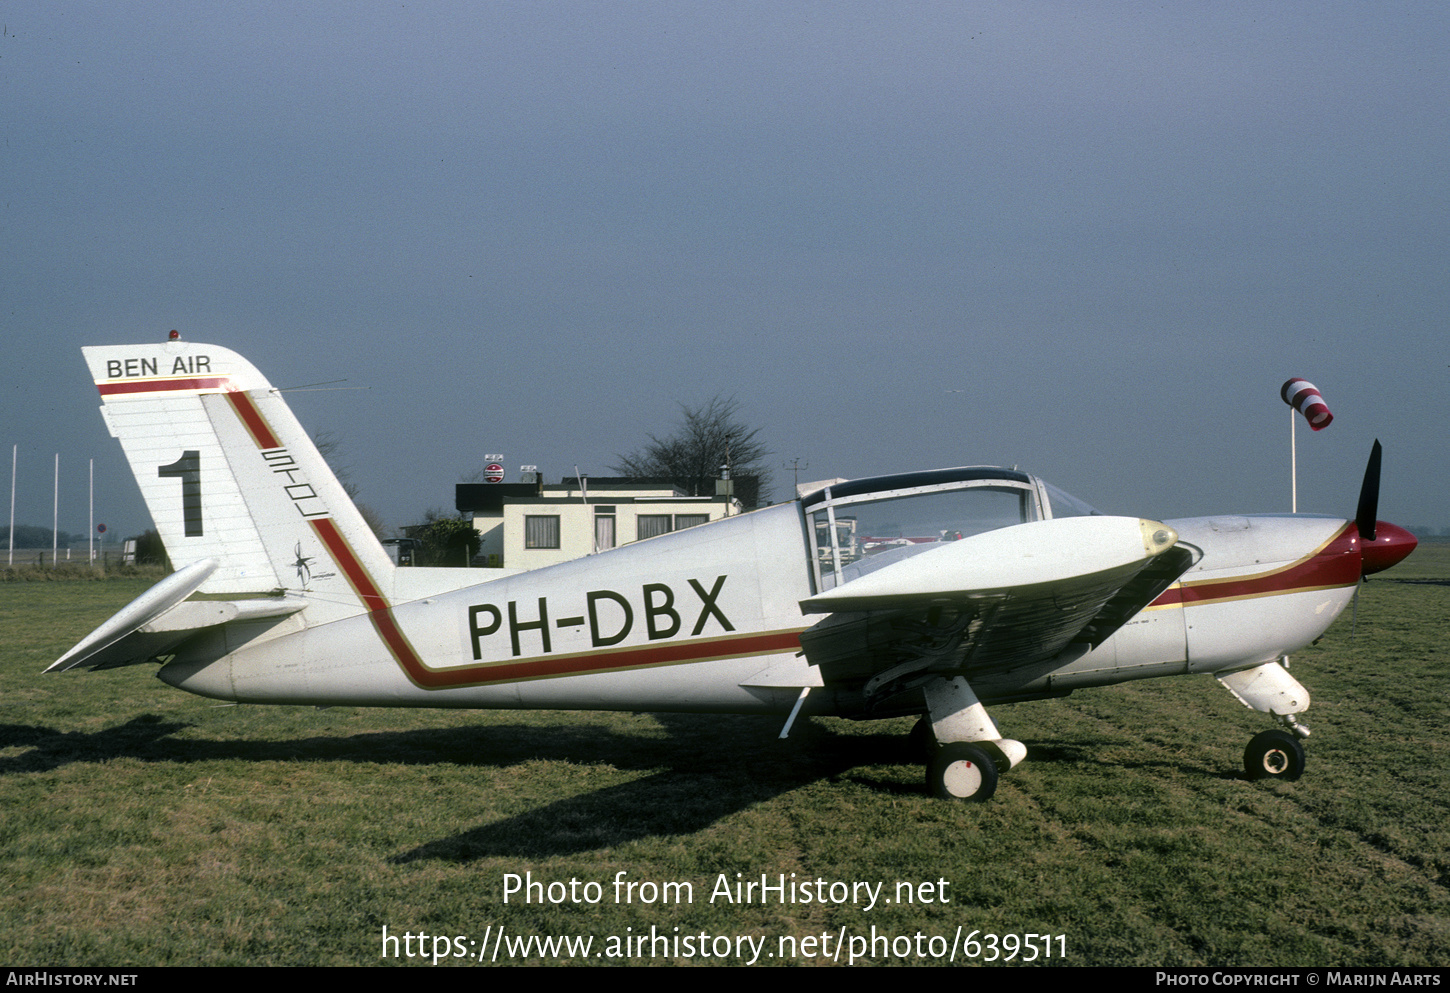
{"x":228,"y":473}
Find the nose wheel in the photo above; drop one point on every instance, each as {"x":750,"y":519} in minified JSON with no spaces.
{"x":1274,"y":755}
{"x":961,"y":771}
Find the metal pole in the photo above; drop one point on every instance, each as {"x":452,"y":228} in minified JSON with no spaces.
{"x":13,"y":450}
{"x":55,"y":515}
{"x":1293,"y":467}
{"x":91,"y":531}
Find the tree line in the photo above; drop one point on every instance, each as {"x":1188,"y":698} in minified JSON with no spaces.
{"x":30,"y":536}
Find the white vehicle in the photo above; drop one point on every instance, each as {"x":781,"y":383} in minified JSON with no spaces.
{"x":774,"y":612}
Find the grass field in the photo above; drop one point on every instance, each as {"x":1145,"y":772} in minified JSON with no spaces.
{"x":143,"y":826}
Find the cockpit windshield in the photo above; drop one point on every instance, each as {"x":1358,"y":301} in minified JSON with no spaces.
{"x":1067,"y":505}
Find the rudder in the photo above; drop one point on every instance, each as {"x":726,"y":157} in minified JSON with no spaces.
{"x":228,"y":473}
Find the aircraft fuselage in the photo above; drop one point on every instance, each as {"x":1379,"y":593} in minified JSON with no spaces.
{"x":708,"y":620}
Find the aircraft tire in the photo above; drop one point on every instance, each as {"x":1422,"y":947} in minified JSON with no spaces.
{"x":1274,"y":755}
{"x":962,"y":771}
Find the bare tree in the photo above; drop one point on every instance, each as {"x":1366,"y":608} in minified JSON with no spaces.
{"x":329,"y":446}
{"x":709,"y":436}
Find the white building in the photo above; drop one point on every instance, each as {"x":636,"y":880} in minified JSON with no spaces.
{"x":528,"y":525}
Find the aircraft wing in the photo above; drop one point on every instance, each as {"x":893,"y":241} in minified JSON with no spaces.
{"x":1031,"y":596}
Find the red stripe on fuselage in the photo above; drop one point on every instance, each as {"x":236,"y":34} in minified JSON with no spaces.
{"x":672,"y":653}
{"x":357,"y":575}
{"x":1333,"y":565}
{"x":379,"y":611}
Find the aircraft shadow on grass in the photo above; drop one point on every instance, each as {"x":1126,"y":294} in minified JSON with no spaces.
{"x":699,"y":789}
{"x":710,"y":771}
{"x":147,"y":737}
{"x":707,"y":768}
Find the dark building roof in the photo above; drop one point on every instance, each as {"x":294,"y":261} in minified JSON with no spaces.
{"x":489,"y":497}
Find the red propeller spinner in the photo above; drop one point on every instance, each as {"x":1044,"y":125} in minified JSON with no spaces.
{"x":1381,"y":544}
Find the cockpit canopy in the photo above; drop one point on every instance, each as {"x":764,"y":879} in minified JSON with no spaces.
{"x":860,"y":525}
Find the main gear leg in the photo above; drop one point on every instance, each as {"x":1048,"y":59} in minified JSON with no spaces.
{"x":971,"y":748}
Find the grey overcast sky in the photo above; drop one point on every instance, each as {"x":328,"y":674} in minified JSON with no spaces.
{"x":1090,"y":239}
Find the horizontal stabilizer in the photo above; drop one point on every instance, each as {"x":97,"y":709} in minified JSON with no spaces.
{"x":158,"y":620}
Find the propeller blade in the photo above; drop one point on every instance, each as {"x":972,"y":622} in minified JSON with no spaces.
{"x":1381,"y":544}
{"x":1369,"y":496}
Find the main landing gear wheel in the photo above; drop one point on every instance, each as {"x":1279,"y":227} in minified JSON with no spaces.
{"x":1274,"y":755}
{"x":962,"y":771}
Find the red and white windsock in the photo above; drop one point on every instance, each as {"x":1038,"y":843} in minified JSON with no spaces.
{"x":1304,"y":397}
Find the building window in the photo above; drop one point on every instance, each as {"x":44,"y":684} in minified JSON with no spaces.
{"x":603,"y":532}
{"x":650,"y":525}
{"x":541,"y":531}
{"x":683,"y":521}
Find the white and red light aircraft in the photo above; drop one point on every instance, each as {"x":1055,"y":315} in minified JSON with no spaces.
{"x":1027,"y":593}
